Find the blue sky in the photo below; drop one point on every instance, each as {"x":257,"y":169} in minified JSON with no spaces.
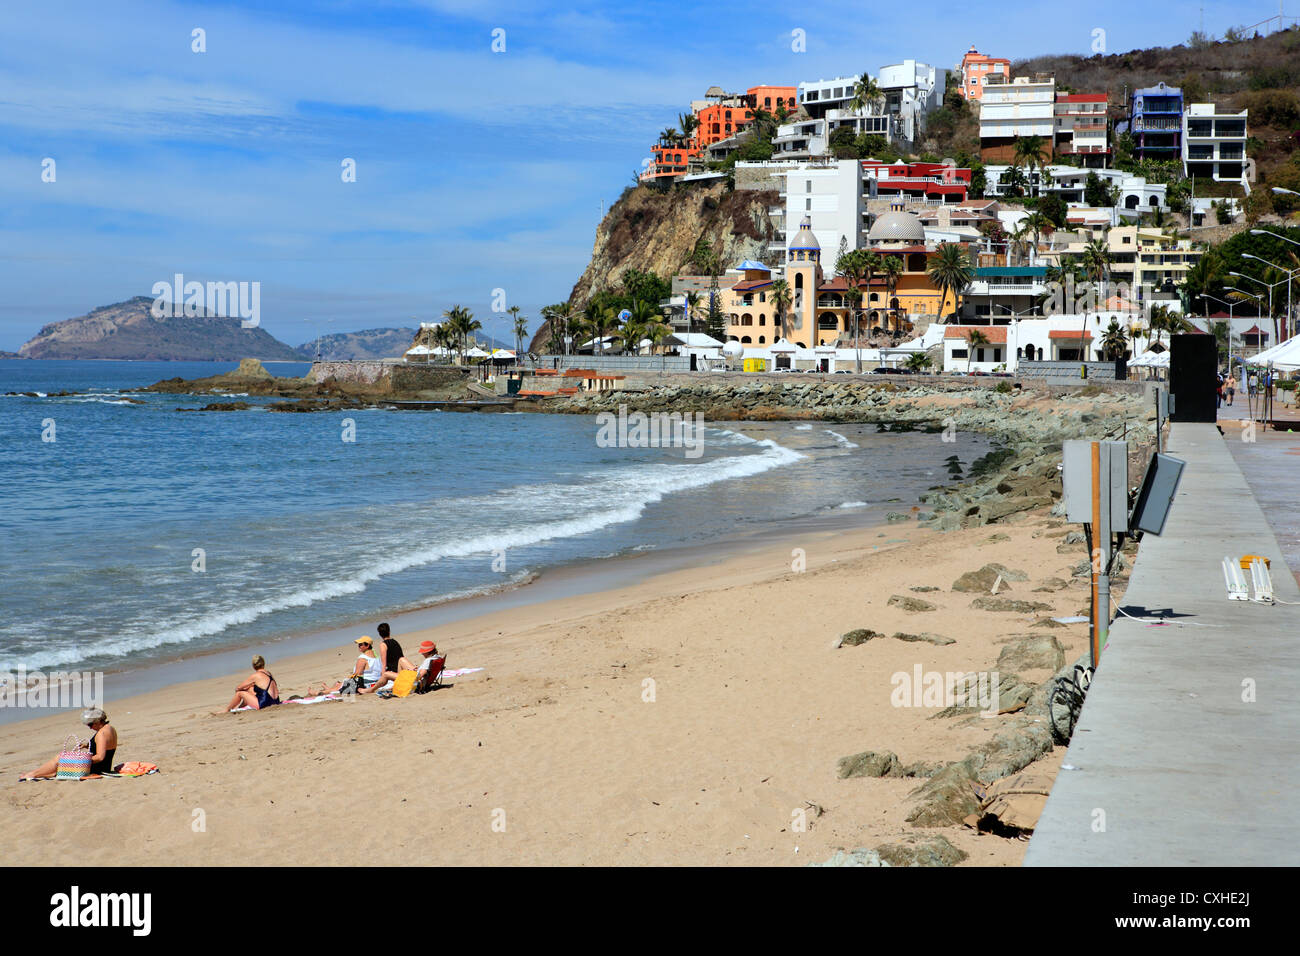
{"x":475,"y":170}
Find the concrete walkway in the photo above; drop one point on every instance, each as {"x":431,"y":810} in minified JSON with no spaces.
{"x":1170,"y":766}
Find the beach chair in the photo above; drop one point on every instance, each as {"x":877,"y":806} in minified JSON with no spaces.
{"x":433,"y":676}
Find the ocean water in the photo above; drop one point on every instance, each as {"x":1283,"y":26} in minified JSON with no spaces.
{"x":142,"y":533}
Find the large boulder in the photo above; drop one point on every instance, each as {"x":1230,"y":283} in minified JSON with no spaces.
{"x":869,"y":764}
{"x":914,"y":849}
{"x":1031,"y":652}
{"x":982,"y":581}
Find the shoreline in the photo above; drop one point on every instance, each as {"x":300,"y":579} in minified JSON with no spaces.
{"x":569,"y":579}
{"x":557,"y":731}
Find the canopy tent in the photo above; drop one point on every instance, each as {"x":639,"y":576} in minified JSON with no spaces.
{"x":1284,"y":357}
{"x":693,"y":340}
{"x":476,"y":352}
{"x":419,"y":353}
{"x":781,"y":345}
{"x":1150,"y":359}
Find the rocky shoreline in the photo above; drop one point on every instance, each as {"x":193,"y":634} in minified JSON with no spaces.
{"x":1027,"y":426}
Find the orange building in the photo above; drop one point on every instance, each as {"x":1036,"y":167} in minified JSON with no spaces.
{"x":719,"y":120}
{"x":975,"y":67}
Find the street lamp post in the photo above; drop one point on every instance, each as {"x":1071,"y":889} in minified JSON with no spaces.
{"x":1264,"y":232}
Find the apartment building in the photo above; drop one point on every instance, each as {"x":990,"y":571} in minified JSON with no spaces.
{"x":1026,"y":106}
{"x":1081,"y":128}
{"x":909,"y":91}
{"x":1156,"y":122}
{"x":924,"y":182}
{"x":975,"y":70}
{"x":1150,"y":262}
{"x":1214,"y":143}
{"x":832,"y":196}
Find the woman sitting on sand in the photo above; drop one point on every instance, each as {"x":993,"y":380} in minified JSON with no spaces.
{"x":260,"y":690}
{"x":368,"y":671}
{"x":103,"y":746}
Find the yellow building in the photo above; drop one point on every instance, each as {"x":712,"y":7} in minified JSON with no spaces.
{"x":819,"y":313}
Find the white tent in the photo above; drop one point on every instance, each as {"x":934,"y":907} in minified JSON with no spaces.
{"x":476,"y":352}
{"x":693,"y":340}
{"x":502,"y":354}
{"x":419,"y":353}
{"x":1284,"y":357}
{"x":781,"y":345}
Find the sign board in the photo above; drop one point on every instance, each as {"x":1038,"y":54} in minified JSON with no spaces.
{"x":1157,"y":494}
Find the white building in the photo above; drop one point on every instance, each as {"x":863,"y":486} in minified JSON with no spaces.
{"x":1214,"y":143}
{"x":1134,"y":194}
{"x":832,"y":195}
{"x":909,"y":91}
{"x":1056,"y":338}
{"x":1026,"y":106}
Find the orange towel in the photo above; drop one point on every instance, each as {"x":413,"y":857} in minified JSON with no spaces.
{"x":136,"y":768}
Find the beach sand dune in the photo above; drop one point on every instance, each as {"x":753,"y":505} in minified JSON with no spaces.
{"x":684,"y":720}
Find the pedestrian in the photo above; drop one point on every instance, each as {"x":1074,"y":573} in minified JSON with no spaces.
{"x":1232,"y":388}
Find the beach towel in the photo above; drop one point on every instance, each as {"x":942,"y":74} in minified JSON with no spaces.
{"x":135,"y":768}
{"x":462,"y":671}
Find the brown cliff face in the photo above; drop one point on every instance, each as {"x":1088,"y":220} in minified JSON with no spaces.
{"x":656,"y":231}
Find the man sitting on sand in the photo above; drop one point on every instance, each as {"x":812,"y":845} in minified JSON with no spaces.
{"x":103,"y":747}
{"x":258,"y":691}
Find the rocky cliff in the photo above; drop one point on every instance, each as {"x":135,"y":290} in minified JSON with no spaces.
{"x":129,"y":331}
{"x":656,"y":231}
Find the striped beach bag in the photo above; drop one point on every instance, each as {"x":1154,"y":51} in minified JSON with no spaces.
{"x":74,"y":761}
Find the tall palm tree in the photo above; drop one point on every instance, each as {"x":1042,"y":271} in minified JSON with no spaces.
{"x":600,"y":322}
{"x":781,"y":299}
{"x":656,"y":332}
{"x":951,"y":272}
{"x":520,"y":329}
{"x":1135,"y":332}
{"x":870,"y":266}
{"x":1014,"y":182}
{"x":891,"y":267}
{"x":1096,"y":265}
{"x":1036,"y":223}
{"x":974,"y":339}
{"x":1114,"y":343}
{"x":692,"y":308}
{"x":668,"y":137}
{"x":866,"y":94}
{"x":1032,"y":152}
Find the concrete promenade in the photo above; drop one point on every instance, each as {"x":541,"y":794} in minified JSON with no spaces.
{"x":1171,"y":767}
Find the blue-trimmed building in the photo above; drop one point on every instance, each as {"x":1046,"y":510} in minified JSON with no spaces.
{"x":999,"y":293}
{"x":1156,"y":122}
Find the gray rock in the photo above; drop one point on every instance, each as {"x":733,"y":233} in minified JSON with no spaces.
{"x":923,"y":588}
{"x":911,"y":603}
{"x":1052,"y":584}
{"x":858,"y":636}
{"x":982,"y":581}
{"x":925,"y":637}
{"x":853,"y":858}
{"x":916,"y":850}
{"x":869,"y":764}
{"x":1008,"y":605}
{"x":1031,"y":652}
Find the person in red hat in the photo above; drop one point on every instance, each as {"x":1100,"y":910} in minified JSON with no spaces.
{"x":428,"y":670}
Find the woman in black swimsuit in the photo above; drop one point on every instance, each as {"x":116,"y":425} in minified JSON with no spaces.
{"x":258,"y":691}
{"x":103,"y":747}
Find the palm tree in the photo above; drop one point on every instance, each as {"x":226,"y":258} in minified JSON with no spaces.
{"x":1036,"y":223}
{"x":918,"y":361}
{"x":1032,"y":152}
{"x":644,"y":315}
{"x":692,"y":307}
{"x":1096,"y":265}
{"x":781,"y":299}
{"x":891,"y":267}
{"x":866,"y":94}
{"x":974,"y":339}
{"x":1135,"y":332}
{"x":870,"y":265}
{"x":1013,"y":181}
{"x":656,"y":332}
{"x":1114,"y":343}
{"x":850,"y":265}
{"x":520,"y":330}
{"x":951,"y":272}
{"x":599,"y":323}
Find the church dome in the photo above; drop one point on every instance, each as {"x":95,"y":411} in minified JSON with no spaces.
{"x":804,"y":238}
{"x":896,"y":226}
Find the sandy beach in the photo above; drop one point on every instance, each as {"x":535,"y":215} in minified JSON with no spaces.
{"x":681,"y":720}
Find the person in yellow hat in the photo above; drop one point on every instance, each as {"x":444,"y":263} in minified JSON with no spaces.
{"x":365,"y":674}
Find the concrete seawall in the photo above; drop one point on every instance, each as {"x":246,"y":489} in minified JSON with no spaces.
{"x":1185,"y":752}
